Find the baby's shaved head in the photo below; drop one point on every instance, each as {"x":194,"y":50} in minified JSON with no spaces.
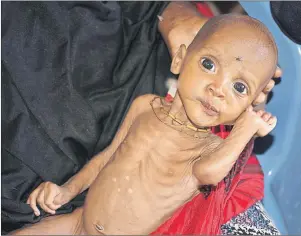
{"x":243,"y":36}
{"x":230,"y":21}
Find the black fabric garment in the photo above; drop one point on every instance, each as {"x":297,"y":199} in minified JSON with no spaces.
{"x":69,"y":73}
{"x":287,"y":15}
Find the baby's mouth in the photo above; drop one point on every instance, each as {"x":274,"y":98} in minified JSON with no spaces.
{"x":209,"y":109}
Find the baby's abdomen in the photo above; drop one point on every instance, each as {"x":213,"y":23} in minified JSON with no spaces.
{"x":115,"y":203}
{"x":119,"y":202}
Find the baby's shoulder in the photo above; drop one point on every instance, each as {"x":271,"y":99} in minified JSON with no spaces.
{"x":144,"y":104}
{"x":143,"y":100}
{"x":148,"y":99}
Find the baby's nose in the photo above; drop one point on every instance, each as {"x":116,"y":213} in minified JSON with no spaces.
{"x":215,"y":90}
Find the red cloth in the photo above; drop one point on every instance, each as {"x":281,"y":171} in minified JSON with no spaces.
{"x":241,"y":189}
{"x":204,"y":9}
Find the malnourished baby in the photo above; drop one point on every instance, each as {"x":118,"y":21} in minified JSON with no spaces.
{"x":164,"y":152}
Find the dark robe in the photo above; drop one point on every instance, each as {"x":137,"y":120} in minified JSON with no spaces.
{"x":70,"y":70}
{"x":69,"y":73}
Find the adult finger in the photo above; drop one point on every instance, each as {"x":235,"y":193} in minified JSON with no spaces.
{"x":260,"y":99}
{"x":269,"y":86}
{"x":278,"y":72}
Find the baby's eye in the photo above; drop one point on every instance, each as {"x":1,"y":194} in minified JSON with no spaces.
{"x":240,"y":87}
{"x":208,"y":64}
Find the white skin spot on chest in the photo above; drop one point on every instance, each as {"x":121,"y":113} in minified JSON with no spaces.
{"x":114,"y":179}
{"x":118,"y":189}
{"x":127,"y":178}
{"x":130,"y":190}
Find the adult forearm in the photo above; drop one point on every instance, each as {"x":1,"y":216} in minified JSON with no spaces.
{"x":179,"y":24}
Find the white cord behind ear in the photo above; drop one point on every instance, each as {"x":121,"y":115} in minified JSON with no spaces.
{"x":171,"y":84}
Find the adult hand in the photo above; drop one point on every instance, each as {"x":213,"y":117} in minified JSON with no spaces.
{"x":261,"y":99}
{"x":179,"y":24}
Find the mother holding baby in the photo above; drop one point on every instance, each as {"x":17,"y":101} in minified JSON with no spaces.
{"x":70,"y":71}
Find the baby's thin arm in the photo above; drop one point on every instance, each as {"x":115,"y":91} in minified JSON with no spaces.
{"x":214,"y":167}
{"x":84,"y":178}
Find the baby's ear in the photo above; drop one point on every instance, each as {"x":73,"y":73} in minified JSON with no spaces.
{"x":178,"y":60}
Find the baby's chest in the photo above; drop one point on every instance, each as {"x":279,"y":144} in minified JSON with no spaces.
{"x":167,"y":178}
{"x":157,"y":137}
{"x":174,"y":193}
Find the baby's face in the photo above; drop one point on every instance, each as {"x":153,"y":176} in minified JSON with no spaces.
{"x":221,"y":78}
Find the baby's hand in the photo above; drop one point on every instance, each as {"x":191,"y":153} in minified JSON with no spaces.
{"x":49,"y":196}
{"x":260,"y":121}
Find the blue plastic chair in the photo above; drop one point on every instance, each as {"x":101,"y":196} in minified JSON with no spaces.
{"x":282,"y":162}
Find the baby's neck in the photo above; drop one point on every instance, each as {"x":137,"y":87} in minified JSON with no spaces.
{"x":177,"y":109}
{"x":174,"y":115}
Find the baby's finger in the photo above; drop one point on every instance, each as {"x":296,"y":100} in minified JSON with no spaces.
{"x":55,"y":207}
{"x":260,"y":99}
{"x":36,"y":210}
{"x":272,"y":120}
{"x":278,"y":72}
{"x":51,"y":205}
{"x":49,"y":195}
{"x":269,"y":86}
{"x":49,"y":200}
{"x":260,"y":113}
{"x":42,"y":204}
{"x":266,"y":116}
{"x":46,"y":208}
{"x":33,"y":202}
